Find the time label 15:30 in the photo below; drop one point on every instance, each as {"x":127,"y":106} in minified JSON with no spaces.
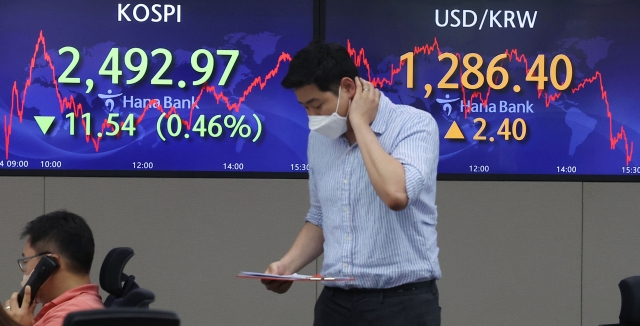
{"x":630,"y":170}
{"x":299,"y":167}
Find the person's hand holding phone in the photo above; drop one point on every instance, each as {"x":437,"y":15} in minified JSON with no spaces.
{"x":23,"y":315}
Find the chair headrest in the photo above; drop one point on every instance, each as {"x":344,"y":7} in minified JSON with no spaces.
{"x":138,"y":298}
{"x":111,"y":272}
{"x":630,"y":293}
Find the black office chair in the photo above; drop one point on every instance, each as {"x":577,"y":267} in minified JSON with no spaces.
{"x":630,"y":308}
{"x":122,"y":317}
{"x":122,"y":288}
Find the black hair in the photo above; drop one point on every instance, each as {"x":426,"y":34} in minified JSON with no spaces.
{"x":322,"y":64}
{"x":65,"y":234}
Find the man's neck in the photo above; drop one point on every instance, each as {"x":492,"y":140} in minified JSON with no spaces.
{"x":66,"y":283}
{"x":350,"y":135}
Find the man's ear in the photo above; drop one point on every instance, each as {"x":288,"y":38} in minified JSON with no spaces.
{"x":348,"y":86}
{"x":61,"y":262}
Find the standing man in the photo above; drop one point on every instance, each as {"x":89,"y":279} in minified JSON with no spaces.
{"x":372,"y":184}
{"x":66,"y":238}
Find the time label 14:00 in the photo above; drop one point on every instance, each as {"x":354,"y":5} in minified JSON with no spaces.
{"x":136,"y":60}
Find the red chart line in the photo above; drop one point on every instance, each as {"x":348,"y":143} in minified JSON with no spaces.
{"x":69,"y":103}
{"x":360,"y":59}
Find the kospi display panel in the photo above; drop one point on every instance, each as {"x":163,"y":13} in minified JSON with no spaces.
{"x":521,"y":90}
{"x":183,"y":86}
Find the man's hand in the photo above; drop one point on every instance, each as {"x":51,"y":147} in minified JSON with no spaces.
{"x":21,"y":315}
{"x":280,"y":287}
{"x":364,"y":105}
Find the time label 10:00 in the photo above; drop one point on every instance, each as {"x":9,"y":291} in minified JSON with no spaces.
{"x":536,"y":73}
{"x":137,"y":61}
{"x":24,"y":164}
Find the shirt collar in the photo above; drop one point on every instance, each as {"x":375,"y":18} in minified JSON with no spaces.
{"x":70,"y":294}
{"x":379,"y":124}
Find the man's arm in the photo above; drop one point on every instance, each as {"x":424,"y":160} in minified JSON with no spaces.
{"x":385,"y":172}
{"x":307,"y":247}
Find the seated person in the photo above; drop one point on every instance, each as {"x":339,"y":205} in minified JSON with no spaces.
{"x":67,"y":238}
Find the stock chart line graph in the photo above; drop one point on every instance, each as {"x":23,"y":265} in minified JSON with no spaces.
{"x":513,"y":55}
{"x":19,"y":98}
{"x":616,"y":134}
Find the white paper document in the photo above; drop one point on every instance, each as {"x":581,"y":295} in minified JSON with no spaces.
{"x":292,"y":277}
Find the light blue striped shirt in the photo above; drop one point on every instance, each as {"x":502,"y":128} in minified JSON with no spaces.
{"x":365,"y":239}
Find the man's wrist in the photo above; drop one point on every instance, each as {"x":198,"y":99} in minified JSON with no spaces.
{"x":359,"y":124}
{"x":288,"y":269}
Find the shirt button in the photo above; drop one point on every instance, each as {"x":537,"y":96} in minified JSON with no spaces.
{"x":346,"y":265}
{"x":346,"y":209}
{"x":346,"y":180}
{"x":348,"y":238}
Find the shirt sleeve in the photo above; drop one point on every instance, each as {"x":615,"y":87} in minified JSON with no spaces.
{"x":314,"y":216}
{"x":418,"y":151}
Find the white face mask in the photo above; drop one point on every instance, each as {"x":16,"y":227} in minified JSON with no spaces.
{"x":25,"y":278}
{"x":332,"y":126}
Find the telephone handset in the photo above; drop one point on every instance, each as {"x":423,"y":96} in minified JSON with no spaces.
{"x":45,"y":268}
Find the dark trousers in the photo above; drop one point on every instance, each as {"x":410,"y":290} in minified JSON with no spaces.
{"x":414,"y":304}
